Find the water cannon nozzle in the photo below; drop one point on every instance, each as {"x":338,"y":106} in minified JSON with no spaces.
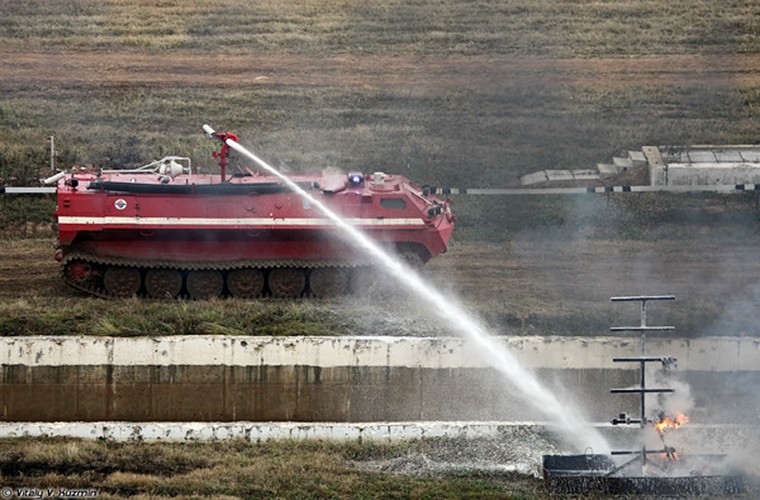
{"x":210,"y":132}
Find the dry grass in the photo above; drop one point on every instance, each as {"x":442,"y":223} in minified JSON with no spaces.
{"x":471,"y":137}
{"x":238,"y":469}
{"x":444,"y":91}
{"x":544,"y":27}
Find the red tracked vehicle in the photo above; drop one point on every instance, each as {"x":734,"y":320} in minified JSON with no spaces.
{"x":164,"y":231}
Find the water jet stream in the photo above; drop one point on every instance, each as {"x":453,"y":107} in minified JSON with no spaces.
{"x":573,"y":428}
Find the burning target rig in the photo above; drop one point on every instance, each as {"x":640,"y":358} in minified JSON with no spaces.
{"x":666,"y":454}
{"x":651,"y":471}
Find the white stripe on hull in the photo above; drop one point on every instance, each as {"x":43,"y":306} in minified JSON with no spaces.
{"x":202,"y":221}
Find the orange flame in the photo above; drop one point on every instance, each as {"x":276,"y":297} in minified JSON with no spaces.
{"x":670,"y":455}
{"x":668,"y":422}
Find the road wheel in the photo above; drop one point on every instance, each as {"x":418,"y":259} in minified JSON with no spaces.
{"x":245,"y":283}
{"x":287,"y":282}
{"x":365,"y":281}
{"x":122,"y":281}
{"x":328,"y":282}
{"x":204,"y":284}
{"x":163,"y":283}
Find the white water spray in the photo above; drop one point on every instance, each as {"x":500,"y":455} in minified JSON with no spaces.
{"x":573,"y":428}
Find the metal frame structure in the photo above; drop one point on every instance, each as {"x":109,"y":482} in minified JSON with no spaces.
{"x":582,"y":474}
{"x":642,"y":390}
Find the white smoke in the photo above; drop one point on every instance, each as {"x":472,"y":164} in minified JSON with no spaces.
{"x":740,"y":316}
{"x":679,"y":402}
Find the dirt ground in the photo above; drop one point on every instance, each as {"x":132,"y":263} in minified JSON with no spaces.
{"x":81,"y":68}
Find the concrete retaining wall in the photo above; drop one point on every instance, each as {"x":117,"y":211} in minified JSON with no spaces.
{"x":349,"y":379}
{"x":706,"y":354}
{"x":259,"y":432}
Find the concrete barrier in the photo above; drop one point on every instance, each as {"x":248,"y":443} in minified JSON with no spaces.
{"x":531,"y":439}
{"x":349,"y":379}
{"x":551,"y":352}
{"x":260,"y":432}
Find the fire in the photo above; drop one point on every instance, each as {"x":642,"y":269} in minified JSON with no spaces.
{"x":668,"y":422}
{"x":670,"y":455}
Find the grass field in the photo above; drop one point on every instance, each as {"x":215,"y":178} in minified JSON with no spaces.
{"x":245,"y":470}
{"x":450,"y":91}
{"x":564,"y":28}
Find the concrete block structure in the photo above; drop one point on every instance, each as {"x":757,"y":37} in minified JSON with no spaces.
{"x":703,"y":165}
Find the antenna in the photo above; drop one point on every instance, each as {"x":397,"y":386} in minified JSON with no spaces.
{"x":52,"y":153}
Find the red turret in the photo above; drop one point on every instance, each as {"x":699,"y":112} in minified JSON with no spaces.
{"x":222,"y":154}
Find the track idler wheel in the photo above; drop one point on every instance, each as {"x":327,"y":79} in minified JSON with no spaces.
{"x":287,"y":282}
{"x":163,"y":283}
{"x":122,"y":281}
{"x":328,"y":282}
{"x":204,"y":284}
{"x":245,"y":283}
